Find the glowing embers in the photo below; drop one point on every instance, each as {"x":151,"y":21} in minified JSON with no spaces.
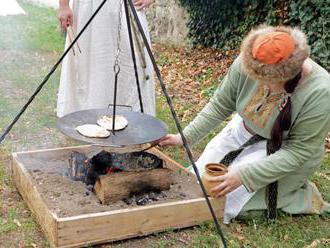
{"x":138,"y":177}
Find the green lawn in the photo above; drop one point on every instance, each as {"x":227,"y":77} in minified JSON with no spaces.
{"x":29,"y":46}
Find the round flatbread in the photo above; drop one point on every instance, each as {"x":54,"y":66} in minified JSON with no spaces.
{"x":93,"y":131}
{"x":106,"y":122}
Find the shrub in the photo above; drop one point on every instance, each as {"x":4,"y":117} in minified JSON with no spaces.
{"x":223,"y":23}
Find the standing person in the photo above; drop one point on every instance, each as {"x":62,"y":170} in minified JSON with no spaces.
{"x":281,"y":97}
{"x":87,"y":76}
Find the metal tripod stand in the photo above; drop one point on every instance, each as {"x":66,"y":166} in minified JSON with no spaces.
{"x":128,"y":4}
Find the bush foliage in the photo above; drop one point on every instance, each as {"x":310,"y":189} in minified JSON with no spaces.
{"x":223,"y":23}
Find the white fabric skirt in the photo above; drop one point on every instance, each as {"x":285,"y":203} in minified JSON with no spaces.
{"x":231,"y":138}
{"x":87,"y":79}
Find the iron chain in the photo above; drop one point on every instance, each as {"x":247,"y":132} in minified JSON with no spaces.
{"x":116,"y":66}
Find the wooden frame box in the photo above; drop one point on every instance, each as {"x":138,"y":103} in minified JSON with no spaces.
{"x":96,"y":228}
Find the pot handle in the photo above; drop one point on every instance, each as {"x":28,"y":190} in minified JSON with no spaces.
{"x":121,"y":105}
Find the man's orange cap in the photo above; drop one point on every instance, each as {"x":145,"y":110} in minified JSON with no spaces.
{"x":272,"y":48}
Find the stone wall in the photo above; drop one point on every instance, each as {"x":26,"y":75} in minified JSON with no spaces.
{"x":167,"y":22}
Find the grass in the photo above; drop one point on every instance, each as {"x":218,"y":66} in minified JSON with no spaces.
{"x":29,"y":45}
{"x":36,"y":32}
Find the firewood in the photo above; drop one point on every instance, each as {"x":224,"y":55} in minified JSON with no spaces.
{"x":120,"y":185}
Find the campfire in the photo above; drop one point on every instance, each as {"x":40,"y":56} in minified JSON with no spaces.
{"x":136,"y":178}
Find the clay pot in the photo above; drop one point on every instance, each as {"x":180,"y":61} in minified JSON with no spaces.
{"x":212,"y":170}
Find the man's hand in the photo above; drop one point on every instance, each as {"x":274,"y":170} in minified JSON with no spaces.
{"x":171,"y":140}
{"x":65,"y":17}
{"x":141,"y":4}
{"x":227,"y":183}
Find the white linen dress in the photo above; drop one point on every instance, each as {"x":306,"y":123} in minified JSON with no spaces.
{"x":87,"y":78}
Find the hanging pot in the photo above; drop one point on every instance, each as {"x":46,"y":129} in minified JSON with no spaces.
{"x":212,"y":170}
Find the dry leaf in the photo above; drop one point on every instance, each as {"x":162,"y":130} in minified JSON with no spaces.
{"x":188,"y":72}
{"x":240,"y":237}
{"x":320,"y":174}
{"x":17,"y":222}
{"x":239,"y":229}
{"x":183,"y":241}
{"x":327,"y":143}
{"x":21,"y":244}
{"x":317,"y":242}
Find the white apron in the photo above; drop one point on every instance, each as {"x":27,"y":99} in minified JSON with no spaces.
{"x":87,"y":79}
{"x":231,"y":138}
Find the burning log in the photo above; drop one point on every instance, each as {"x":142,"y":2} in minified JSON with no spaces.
{"x":77,"y":166}
{"x":120,"y":176}
{"x":121,"y":185}
{"x":87,"y":170}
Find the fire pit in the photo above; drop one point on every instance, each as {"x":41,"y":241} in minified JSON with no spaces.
{"x":71,"y":218}
{"x":129,"y":176}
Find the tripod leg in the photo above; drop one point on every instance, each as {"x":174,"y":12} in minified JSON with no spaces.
{"x":175,"y":117}
{"x":36,"y":92}
{"x":129,"y":28}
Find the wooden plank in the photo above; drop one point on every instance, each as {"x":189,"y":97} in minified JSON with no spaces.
{"x":55,"y":153}
{"x":170,"y":163}
{"x":96,"y":228}
{"x":121,"y":185}
{"x":122,"y":224}
{"x":59,"y":152}
{"x":31,"y":196}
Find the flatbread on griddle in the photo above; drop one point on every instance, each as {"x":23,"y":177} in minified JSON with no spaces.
{"x":93,"y":131}
{"x":106,"y":122}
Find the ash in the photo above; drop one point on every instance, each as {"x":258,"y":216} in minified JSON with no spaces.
{"x":144,"y":199}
